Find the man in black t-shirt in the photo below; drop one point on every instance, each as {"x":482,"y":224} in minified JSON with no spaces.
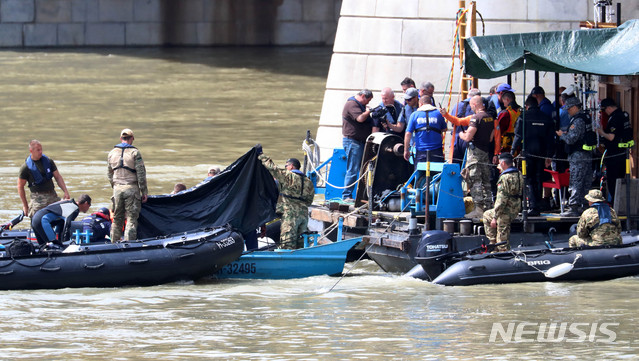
{"x":617,"y":131}
{"x":356,"y":127}
{"x":38,"y":171}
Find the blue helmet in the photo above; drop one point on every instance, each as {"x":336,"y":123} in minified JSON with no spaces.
{"x":105,"y":211}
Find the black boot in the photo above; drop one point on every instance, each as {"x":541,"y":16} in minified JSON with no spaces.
{"x":570,"y":212}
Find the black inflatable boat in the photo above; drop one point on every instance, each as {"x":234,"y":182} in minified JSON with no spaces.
{"x":186,"y":256}
{"x":444,"y":264}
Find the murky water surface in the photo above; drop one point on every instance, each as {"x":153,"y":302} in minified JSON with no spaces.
{"x":193,"y":108}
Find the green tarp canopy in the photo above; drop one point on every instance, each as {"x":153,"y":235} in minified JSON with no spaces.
{"x":612,"y":51}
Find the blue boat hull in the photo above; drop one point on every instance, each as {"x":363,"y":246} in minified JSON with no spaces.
{"x":327,"y":259}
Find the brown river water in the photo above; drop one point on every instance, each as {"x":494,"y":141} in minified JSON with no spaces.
{"x":193,"y":108}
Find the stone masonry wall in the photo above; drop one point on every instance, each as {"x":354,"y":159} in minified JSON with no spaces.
{"x":54,"y":23}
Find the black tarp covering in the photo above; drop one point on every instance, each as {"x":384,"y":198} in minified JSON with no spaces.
{"x":243,"y":195}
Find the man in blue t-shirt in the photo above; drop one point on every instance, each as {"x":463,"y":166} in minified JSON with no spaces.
{"x":428,"y":125}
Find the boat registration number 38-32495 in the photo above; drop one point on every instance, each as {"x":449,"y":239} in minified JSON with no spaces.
{"x":239,"y":268}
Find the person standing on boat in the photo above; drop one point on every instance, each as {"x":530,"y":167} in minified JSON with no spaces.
{"x":127,"y":176}
{"x":616,"y":136}
{"x":598,"y":225}
{"x":428,"y":125}
{"x":389,"y":122}
{"x":505,"y":125}
{"x":544,"y":104}
{"x":407,"y":83}
{"x":427,"y":88}
{"x":38,"y":171}
{"x":56,"y":219}
{"x":480,"y":138}
{"x":411,"y":103}
{"x":462,"y":111}
{"x":580,"y":140}
{"x":507,"y":204}
{"x":296,"y":194}
{"x":539,"y":133}
{"x":356,"y":127}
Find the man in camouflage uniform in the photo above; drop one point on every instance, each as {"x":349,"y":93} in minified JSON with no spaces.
{"x":296,"y":194}
{"x":507,"y":205}
{"x":127,"y":176}
{"x":598,"y":225}
{"x":578,"y":156}
{"x":38,"y":170}
{"x":479,"y":136}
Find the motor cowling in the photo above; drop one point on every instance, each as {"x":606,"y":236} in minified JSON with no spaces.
{"x":431,"y":249}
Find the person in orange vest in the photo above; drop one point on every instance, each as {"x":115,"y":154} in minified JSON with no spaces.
{"x":505,"y":125}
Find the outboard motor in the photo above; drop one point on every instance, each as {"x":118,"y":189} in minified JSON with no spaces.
{"x":431,"y":251}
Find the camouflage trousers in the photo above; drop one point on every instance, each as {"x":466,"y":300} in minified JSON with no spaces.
{"x":127,"y":201}
{"x":580,"y":178}
{"x":478,"y":178}
{"x":576,"y":241}
{"x":502,"y":232}
{"x":40,"y":200}
{"x":612,"y":239}
{"x":294,"y":223}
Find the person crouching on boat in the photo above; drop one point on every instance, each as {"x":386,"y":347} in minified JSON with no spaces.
{"x":507,"y":204}
{"x":46,"y":222}
{"x":99,"y":224}
{"x":598,"y":225}
{"x":296,"y":194}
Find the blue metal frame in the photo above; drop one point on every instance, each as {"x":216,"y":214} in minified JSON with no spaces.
{"x":335,"y":176}
{"x":446,"y":195}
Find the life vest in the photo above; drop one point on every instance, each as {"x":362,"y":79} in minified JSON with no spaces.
{"x":508,"y":136}
{"x":589,"y":141}
{"x":605,"y":216}
{"x":485,"y":125}
{"x":121,"y":164}
{"x":99,"y":224}
{"x":38,"y":177}
{"x":428,"y":128}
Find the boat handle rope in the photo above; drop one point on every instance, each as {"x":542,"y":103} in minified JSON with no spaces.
{"x":555,"y":271}
{"x":27,"y":265}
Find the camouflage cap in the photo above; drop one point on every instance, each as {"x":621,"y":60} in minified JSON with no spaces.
{"x":595,"y":195}
{"x":126,"y":133}
{"x":571,"y":102}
